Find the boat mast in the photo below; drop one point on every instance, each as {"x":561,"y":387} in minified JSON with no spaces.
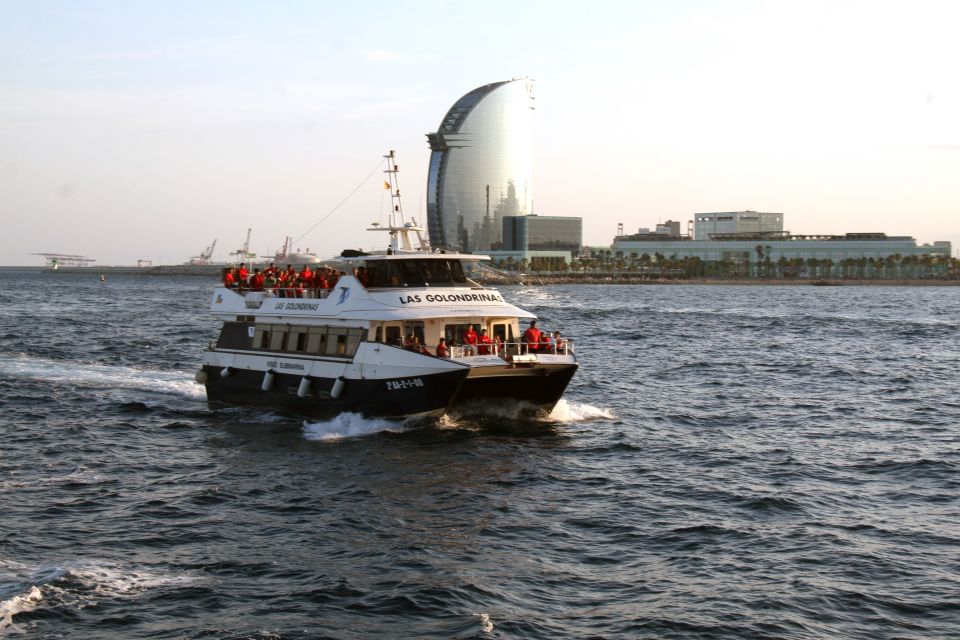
{"x":399,"y":228}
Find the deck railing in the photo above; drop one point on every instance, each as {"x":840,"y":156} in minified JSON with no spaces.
{"x":507,"y":350}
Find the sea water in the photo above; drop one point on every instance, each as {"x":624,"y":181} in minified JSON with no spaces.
{"x":729,"y":462}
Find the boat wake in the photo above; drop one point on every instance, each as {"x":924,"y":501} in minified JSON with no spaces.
{"x":567,"y":411}
{"x":350,"y":425}
{"x":75,"y":584}
{"x":178,"y":383}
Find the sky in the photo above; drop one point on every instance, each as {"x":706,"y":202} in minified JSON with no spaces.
{"x":134,"y":130}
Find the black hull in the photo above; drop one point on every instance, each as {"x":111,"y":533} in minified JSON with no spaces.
{"x":393,"y":398}
{"x":539,"y":389}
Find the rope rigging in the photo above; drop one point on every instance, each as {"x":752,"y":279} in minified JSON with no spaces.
{"x":342,"y":202}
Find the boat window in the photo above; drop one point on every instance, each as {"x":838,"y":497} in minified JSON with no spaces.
{"x":410,"y":273}
{"x":436,"y":272}
{"x":317,"y":340}
{"x":500,"y":331}
{"x":234,"y":335}
{"x":354,"y":338}
{"x":261,"y":336}
{"x":336,"y":342}
{"x":454,"y":332}
{"x":416,"y":328}
{"x":277,"y":336}
{"x":456,"y":272}
{"x":297,"y":339}
{"x":394,"y":335}
{"x":383,"y":273}
{"x":377,"y":337}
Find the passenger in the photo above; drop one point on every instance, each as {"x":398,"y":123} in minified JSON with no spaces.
{"x":243,"y":274}
{"x":409,"y":343}
{"x":442,"y":348}
{"x":228,"y":280}
{"x":256,"y":280}
{"x":546,"y":344}
{"x":532,"y":337}
{"x":271,"y":270}
{"x":484,"y":342}
{"x":470,"y":335}
{"x":361,"y":274}
{"x":282,"y":283}
{"x":559,"y":343}
{"x":306,"y":273}
{"x":270,"y":280}
{"x":498,"y":347}
{"x":419,"y":348}
{"x":320,"y":280}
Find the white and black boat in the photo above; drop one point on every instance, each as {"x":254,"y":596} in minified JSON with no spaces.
{"x":346,"y":348}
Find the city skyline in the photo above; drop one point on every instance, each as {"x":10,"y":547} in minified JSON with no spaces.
{"x":144,"y":132}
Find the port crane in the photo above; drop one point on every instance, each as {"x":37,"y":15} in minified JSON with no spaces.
{"x":205,"y":255}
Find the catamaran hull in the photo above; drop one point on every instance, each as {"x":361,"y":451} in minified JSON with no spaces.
{"x":537,"y":388}
{"x":413,"y":396}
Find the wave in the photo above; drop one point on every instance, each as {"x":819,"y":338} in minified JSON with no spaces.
{"x":350,"y":425}
{"x":178,"y":383}
{"x":74,"y":584}
{"x":20,"y":603}
{"x":567,"y":411}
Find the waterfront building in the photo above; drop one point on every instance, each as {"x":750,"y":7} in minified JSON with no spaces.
{"x":708,"y":224}
{"x":481,"y":166}
{"x":814,"y":255}
{"x":542,"y":233}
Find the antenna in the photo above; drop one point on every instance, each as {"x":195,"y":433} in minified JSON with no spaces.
{"x":398,"y":227}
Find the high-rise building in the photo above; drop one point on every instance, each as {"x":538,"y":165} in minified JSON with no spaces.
{"x":481,"y":166}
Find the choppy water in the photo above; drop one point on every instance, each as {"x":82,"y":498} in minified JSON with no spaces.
{"x":754,"y":462}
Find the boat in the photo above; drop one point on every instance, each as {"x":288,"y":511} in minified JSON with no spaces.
{"x":362,"y":345}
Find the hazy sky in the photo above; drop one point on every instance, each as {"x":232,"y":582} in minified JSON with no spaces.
{"x":143,"y":130}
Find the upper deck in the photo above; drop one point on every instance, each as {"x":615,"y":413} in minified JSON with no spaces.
{"x":403,"y":291}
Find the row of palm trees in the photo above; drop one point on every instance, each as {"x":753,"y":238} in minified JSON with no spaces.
{"x":609,"y":262}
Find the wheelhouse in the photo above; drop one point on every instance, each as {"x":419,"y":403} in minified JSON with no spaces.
{"x":415,"y":272}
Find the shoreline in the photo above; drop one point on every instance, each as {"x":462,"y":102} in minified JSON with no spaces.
{"x":745,"y":282}
{"x":214,"y":271}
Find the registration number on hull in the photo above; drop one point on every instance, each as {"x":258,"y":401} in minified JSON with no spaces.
{"x":409,"y":383}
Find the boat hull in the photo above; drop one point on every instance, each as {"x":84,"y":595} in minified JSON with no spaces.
{"x":535,"y":389}
{"x":404,"y":397}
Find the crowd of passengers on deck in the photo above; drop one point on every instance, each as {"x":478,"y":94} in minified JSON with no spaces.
{"x":287,"y":283}
{"x":534,"y":341}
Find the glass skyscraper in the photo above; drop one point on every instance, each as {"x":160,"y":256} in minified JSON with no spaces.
{"x":481,"y":166}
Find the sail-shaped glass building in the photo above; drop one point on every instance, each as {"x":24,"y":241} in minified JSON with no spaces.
{"x":481,"y":166}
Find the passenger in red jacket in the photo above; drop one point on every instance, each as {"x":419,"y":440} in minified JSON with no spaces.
{"x":442,"y":348}
{"x":483,"y":343}
{"x":546,"y":344}
{"x":470,"y":339}
{"x":256,"y":280}
{"x":532,"y":337}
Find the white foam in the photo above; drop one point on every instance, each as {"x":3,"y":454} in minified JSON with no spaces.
{"x":567,"y":411}
{"x":179,"y":383}
{"x":19,"y":603}
{"x":112,"y":580}
{"x":349,"y":425}
{"x":76,"y":584}
{"x":486,"y":625}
